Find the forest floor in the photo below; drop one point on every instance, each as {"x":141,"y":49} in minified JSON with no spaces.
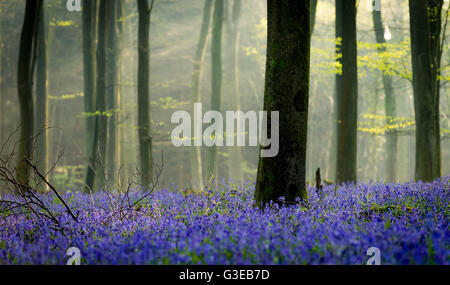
{"x":408,"y":223}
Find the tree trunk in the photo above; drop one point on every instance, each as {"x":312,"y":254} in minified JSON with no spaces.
{"x":286,"y":91}
{"x":2,"y":82}
{"x":235,"y":152}
{"x":27,"y":52}
{"x":95,"y":179}
{"x":347,"y":92}
{"x":425,"y":26}
{"x":130,"y":146}
{"x":145,"y":139}
{"x":112,"y":72}
{"x":197,"y":76}
{"x":121,"y":159}
{"x":89,"y":69}
{"x":216,"y":58}
{"x":389,"y":103}
{"x":41,"y":153}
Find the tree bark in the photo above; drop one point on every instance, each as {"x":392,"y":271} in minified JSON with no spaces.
{"x":216,"y":58}
{"x":389,"y":103}
{"x":27,"y":52}
{"x":286,"y":91}
{"x":425,"y":26}
{"x":145,"y":139}
{"x":41,"y":152}
{"x":347,"y":92}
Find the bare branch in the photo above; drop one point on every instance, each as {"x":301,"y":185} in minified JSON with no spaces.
{"x":52,"y":188}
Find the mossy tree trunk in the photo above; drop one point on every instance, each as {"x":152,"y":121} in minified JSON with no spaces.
{"x":425,"y":26}
{"x":216,"y":92}
{"x":196,"y":94}
{"x":286,"y":91}
{"x":347,"y":92}
{"x":145,"y":139}
{"x":389,"y":103}
{"x":95,"y":179}
{"x":41,"y":152}
{"x":27,"y":58}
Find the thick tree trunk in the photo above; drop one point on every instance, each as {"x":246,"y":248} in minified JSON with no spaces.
{"x":389,"y":104}
{"x":89,"y":67}
{"x":216,"y":58}
{"x":425,"y":26}
{"x":197,"y":76}
{"x":145,"y":139}
{"x":26,"y":62}
{"x":89,"y":70}
{"x":286,"y":91}
{"x":347,"y":92}
{"x":41,"y":152}
{"x":95,"y":179}
{"x":112,"y":94}
{"x":235,"y":152}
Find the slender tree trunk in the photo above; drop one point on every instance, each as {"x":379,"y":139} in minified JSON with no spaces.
{"x":121,"y":115}
{"x":425,"y":26}
{"x":112,"y":72}
{"x":130,"y":148}
{"x":145,"y":139}
{"x":52,"y":153}
{"x":89,"y":70}
{"x":197,"y":76}
{"x":27,"y":52}
{"x":41,"y":153}
{"x":216,"y":58}
{"x":236,"y":152}
{"x":2,"y":82}
{"x":95,"y":179}
{"x":347,"y":92}
{"x":286,"y":91}
{"x":389,"y":104}
{"x":338,"y":85}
